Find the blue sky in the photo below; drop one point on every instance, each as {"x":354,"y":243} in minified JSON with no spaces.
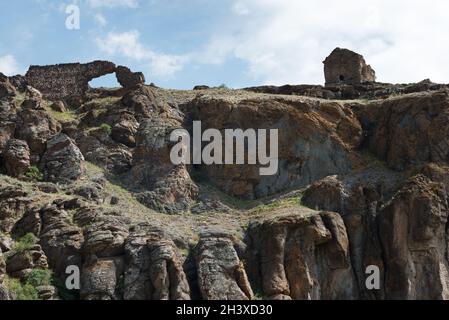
{"x":179,"y":43}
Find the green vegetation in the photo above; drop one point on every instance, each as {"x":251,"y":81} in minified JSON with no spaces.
{"x":34,"y":173}
{"x":19,"y":99}
{"x":39,"y":277}
{"x":21,"y":291}
{"x":23,"y":244}
{"x":106,"y":128}
{"x":27,"y":290}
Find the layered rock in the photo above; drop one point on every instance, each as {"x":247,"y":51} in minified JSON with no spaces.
{"x":316,"y":139}
{"x":170,"y":188}
{"x":35,"y":126}
{"x":221,"y":274}
{"x":60,"y":239}
{"x":409,"y":130}
{"x":22,"y":262}
{"x":301,"y":256}
{"x":17,"y":158}
{"x":127,"y":78}
{"x":154,"y":270}
{"x":413,"y":231}
{"x":7,"y":90}
{"x":62,"y":161}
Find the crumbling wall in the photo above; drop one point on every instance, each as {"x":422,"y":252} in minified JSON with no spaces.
{"x":67,"y":81}
{"x":344,"y":66}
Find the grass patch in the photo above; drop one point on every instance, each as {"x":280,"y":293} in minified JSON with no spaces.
{"x":34,"y":173}
{"x":106,"y":128}
{"x":21,"y":291}
{"x":23,"y":244}
{"x":19,"y":99}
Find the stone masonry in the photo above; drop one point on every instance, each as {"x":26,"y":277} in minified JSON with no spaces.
{"x":343,"y":66}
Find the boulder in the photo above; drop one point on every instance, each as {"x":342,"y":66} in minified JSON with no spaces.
{"x":105,"y":237}
{"x":62,"y":162}
{"x":99,"y":279}
{"x":124,"y":132}
{"x":127,"y":78}
{"x":35,"y":126}
{"x":16,"y":158}
{"x":58,"y":106}
{"x":7,"y":90}
{"x":22,"y":262}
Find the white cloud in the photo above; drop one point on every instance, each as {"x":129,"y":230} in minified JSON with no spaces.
{"x":285,"y":41}
{"x":9,"y":65}
{"x":100,"y":20}
{"x":113,"y":3}
{"x":127,"y":44}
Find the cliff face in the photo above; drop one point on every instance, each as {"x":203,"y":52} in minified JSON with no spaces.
{"x":361,"y":183}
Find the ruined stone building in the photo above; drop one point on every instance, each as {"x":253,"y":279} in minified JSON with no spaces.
{"x":71,"y":81}
{"x":343,"y":66}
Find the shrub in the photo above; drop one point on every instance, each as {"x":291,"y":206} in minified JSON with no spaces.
{"x":25,"y":243}
{"x":21,"y":291}
{"x":39,"y":277}
{"x":106,"y":128}
{"x":34,"y":173}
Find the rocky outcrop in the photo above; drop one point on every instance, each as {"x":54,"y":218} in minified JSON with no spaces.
{"x":221,"y":274}
{"x":129,"y":79}
{"x":343,"y":66}
{"x":410,"y":130}
{"x":60,"y":239}
{"x":170,"y":188}
{"x":66,"y":81}
{"x":63,"y":161}
{"x":22,"y":262}
{"x":35,"y":126}
{"x":301,"y":256}
{"x":154,"y":270}
{"x":322,"y":145}
{"x":17,"y":158}
{"x":7,"y":90}
{"x":413,"y":231}
{"x":4,"y":295}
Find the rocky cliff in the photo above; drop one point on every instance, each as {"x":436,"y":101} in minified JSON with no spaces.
{"x":363,"y":181}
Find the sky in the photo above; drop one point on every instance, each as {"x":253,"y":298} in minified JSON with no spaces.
{"x":180,"y":44}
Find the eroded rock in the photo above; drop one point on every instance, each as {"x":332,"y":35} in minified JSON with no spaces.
{"x":63,"y":161}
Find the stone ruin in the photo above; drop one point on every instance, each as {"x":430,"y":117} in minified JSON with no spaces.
{"x":343,"y":66}
{"x":71,"y":81}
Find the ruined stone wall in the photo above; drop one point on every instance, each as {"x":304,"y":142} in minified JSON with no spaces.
{"x":343,"y":66}
{"x":67,"y":81}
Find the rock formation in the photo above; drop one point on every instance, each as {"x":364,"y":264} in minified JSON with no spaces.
{"x":360,"y":183}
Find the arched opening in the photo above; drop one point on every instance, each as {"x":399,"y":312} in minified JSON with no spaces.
{"x":107,"y":81}
{"x":342,"y":77}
